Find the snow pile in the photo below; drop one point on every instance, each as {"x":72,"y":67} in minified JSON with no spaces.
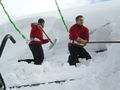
{"x":113,"y":60}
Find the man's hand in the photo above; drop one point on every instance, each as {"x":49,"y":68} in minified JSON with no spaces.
{"x":45,"y":41}
{"x":84,"y":42}
{"x":80,"y":40}
{"x":48,"y":40}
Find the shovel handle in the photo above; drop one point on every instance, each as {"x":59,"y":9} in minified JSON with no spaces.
{"x":46,"y":35}
{"x":103,"y":42}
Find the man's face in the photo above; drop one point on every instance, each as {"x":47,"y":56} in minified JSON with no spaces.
{"x":80,"y":21}
{"x":43,"y":24}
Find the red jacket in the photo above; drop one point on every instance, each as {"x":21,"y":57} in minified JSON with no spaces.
{"x":78,"y":31}
{"x":37,"y":33}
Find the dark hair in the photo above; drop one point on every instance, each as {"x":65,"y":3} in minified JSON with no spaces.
{"x":41,"y":20}
{"x":80,"y":16}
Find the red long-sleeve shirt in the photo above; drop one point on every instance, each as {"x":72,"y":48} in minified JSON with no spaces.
{"x":78,"y":31}
{"x":37,"y":33}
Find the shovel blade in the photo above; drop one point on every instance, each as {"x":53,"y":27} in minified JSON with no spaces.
{"x":52,"y":45}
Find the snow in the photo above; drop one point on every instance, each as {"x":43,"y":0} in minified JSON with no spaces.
{"x":21,"y":7}
{"x":103,"y":73}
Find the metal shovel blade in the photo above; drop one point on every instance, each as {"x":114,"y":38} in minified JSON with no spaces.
{"x":52,"y":45}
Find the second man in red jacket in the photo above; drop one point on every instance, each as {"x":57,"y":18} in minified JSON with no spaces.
{"x":36,"y":37}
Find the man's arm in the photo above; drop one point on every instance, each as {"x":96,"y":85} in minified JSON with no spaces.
{"x":76,"y":37}
{"x":86,"y":37}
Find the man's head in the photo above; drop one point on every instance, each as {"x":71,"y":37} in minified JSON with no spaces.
{"x":41,"y":21}
{"x":80,"y":20}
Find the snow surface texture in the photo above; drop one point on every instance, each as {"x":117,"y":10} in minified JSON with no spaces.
{"x":103,"y":73}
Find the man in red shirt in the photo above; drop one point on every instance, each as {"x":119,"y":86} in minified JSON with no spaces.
{"x":79,"y":36}
{"x":37,"y":40}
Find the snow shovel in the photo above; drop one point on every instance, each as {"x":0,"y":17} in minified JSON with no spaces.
{"x":104,"y":42}
{"x":52,"y":43}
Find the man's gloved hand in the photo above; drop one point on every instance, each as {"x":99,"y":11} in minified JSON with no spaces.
{"x":45,"y":41}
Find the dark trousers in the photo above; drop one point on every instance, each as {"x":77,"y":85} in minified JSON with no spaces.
{"x":76,"y":53}
{"x":37,"y":52}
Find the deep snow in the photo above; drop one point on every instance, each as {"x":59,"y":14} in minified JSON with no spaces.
{"x":103,"y":73}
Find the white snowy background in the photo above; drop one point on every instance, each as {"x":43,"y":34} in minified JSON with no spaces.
{"x":103,"y":20}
